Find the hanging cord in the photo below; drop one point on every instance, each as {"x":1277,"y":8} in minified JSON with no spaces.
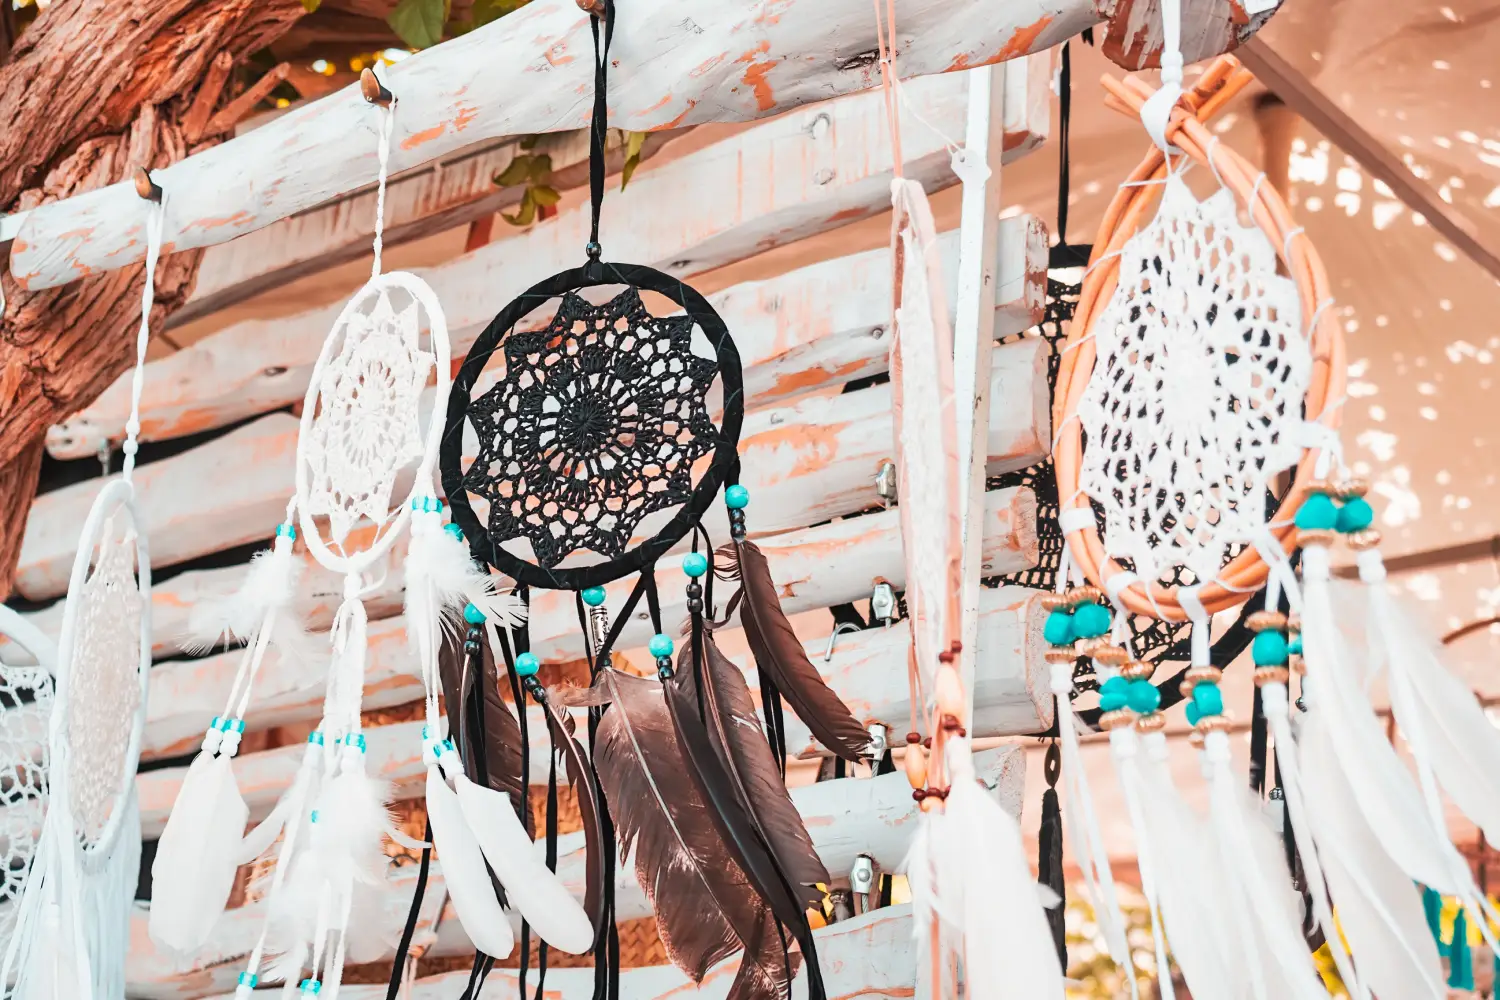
{"x":383,"y":151}
{"x":399,"y":966}
{"x":1065,"y":254}
{"x":154,"y":222}
{"x":885,"y":34}
{"x":599,"y":124}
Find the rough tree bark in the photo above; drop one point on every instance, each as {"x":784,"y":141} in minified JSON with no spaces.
{"x":92,"y":90}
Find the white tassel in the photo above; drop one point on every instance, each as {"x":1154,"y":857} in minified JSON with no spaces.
{"x":55,"y":972}
{"x":463,"y":869}
{"x":968,"y":871}
{"x":1278,"y":963}
{"x":530,"y":886}
{"x":1378,"y":780}
{"x":198,"y":853}
{"x":1378,"y":907}
{"x":1123,"y":747}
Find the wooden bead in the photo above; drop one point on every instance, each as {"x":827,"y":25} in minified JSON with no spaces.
{"x":1214,"y":723}
{"x":1316,"y":536}
{"x":1207,"y":675}
{"x":1055,"y":602}
{"x":949,"y":692}
{"x":1352,"y":487}
{"x":1086,"y":595}
{"x":1137,"y":670}
{"x":1060,"y":655}
{"x":1271,"y":675}
{"x":1151,"y":722}
{"x":915,"y":765}
{"x":1112,"y":656}
{"x":1264,"y":621}
{"x":1114,"y":720}
{"x":1359,"y":541}
{"x":1088,"y":647}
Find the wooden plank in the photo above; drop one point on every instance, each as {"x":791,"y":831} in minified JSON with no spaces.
{"x":799,"y":175}
{"x":676,"y":64}
{"x":805,"y":462}
{"x":816,"y":568}
{"x":1011,"y":696}
{"x":1339,"y":127}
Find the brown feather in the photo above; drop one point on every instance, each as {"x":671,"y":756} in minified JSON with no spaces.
{"x":505,"y":771}
{"x":779,"y":653}
{"x":768,"y":968}
{"x":735,"y":731}
{"x":560,"y":725}
{"x":701,"y":898}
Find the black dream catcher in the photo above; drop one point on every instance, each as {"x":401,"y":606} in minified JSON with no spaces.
{"x":597,"y":444}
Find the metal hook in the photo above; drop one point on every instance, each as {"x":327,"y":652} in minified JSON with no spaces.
{"x":146,"y":187}
{"x":842,"y":627}
{"x":373,"y":90}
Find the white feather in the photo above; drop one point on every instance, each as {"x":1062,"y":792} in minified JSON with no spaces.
{"x":968,"y":870}
{"x":1277,"y":960}
{"x":1378,"y":907}
{"x":442,"y":577}
{"x":463,"y":871}
{"x":270,"y":585}
{"x":1378,"y":780}
{"x":350,"y":830}
{"x":196,"y":858}
{"x":530,"y":886}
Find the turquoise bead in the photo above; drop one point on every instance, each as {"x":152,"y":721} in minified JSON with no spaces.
{"x":527,"y":665}
{"x":594,"y":596}
{"x":736,"y":497}
{"x":249,"y":979}
{"x":311,"y":987}
{"x":660,"y":645}
{"x":1059,"y":628}
{"x":1269,"y":649}
{"x":1295,"y":646}
{"x":286,"y":530}
{"x":357,"y":741}
{"x":473,"y":615}
{"x":1192,"y":714}
{"x":316,"y":736}
{"x":1208,"y":699}
{"x":1090,"y":621}
{"x":1143,"y":697}
{"x":454,"y":530}
{"x":1355,"y":515}
{"x":695,"y":564}
{"x":1317,"y":513}
{"x":1114,"y":694}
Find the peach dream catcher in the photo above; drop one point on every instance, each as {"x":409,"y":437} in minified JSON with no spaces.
{"x":72,"y":926}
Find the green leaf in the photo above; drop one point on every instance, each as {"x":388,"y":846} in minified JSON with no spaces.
{"x":311,"y":6}
{"x":633,"y":143}
{"x":486,"y":11}
{"x":541,"y":168}
{"x":544,"y":195}
{"x":525,"y":212}
{"x":419,"y":23}
{"x":516,"y":172}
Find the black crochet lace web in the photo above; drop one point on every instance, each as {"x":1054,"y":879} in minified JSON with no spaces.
{"x":597,"y":423}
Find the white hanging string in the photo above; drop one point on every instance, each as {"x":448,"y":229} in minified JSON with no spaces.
{"x":154,"y":220}
{"x":383,"y":151}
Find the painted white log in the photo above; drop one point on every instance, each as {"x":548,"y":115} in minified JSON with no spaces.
{"x":806,"y":462}
{"x":676,"y":62}
{"x":151,"y":974}
{"x":794,"y":177}
{"x":1010,"y":698}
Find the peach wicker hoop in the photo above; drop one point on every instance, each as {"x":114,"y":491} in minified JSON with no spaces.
{"x":1132,"y":208}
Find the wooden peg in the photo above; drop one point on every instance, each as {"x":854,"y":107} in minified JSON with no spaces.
{"x":373,"y":90}
{"x":146,"y":187}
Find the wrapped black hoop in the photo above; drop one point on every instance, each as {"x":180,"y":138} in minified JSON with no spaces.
{"x":618,"y":350}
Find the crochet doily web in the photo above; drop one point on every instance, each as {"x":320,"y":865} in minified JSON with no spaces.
{"x":1201,"y":371}
{"x":103,"y":693}
{"x":25,"y":706}
{"x":600,"y":421}
{"x":367,"y":428}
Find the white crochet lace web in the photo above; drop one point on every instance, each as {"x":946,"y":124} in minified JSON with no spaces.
{"x":104,"y":685}
{"x":1201,"y":371}
{"x":25,"y":706}
{"x":368,"y":425}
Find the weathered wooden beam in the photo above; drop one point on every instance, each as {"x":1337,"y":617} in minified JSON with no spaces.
{"x":676,"y":63}
{"x":816,"y":568}
{"x":797,"y":176}
{"x":806,"y":462}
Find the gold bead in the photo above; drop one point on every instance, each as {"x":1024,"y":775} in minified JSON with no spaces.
{"x":1316,"y":536}
{"x":1265,"y":621}
{"x":1294,"y":623}
{"x":1347,"y":489}
{"x":1055,"y":602}
{"x":1214,"y":723}
{"x":1064,"y":655}
{"x":1087,"y":594}
{"x":1359,"y":541}
{"x":1319,"y":486}
{"x":1199,"y":675}
{"x":1271,"y":675}
{"x":1114,"y":720}
{"x":1151,"y":722}
{"x":1088,"y":647}
{"x":1137,"y":670}
{"x":1112,"y":656}
{"x":1195,"y":738}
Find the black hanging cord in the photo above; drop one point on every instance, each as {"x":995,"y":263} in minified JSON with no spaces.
{"x":1049,"y":845}
{"x":398,"y":967}
{"x":523,"y":807}
{"x":1065,"y":254}
{"x":599,"y":124}
{"x":1258,"y":744}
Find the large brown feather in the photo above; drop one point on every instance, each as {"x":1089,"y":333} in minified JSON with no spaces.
{"x":768,"y":968}
{"x":779,"y":653}
{"x":560,"y":725}
{"x":505,"y":770}
{"x":735,"y":731}
{"x":702,"y":900}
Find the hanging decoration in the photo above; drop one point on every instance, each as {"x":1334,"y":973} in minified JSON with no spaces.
{"x":72,"y":923}
{"x":26,"y":699}
{"x":606,"y":435}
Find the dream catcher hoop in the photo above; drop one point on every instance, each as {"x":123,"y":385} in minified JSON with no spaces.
{"x":26,"y":699}
{"x":72,"y":926}
{"x":600,"y":451}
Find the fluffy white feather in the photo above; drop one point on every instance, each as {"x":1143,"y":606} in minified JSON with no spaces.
{"x":464,"y":873}
{"x":193,"y":872}
{"x":530,"y":886}
{"x":270,"y":585}
{"x":1379,"y":908}
{"x":442,"y":577}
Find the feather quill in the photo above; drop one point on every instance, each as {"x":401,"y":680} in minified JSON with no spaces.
{"x":464,"y":873}
{"x":705,"y":906}
{"x":779,"y":653}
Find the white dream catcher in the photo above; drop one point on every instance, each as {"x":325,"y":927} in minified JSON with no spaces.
{"x":367,"y":449}
{"x":26,"y":697}
{"x":72,"y":927}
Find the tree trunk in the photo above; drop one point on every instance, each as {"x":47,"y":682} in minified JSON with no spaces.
{"x":92,"y":90}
